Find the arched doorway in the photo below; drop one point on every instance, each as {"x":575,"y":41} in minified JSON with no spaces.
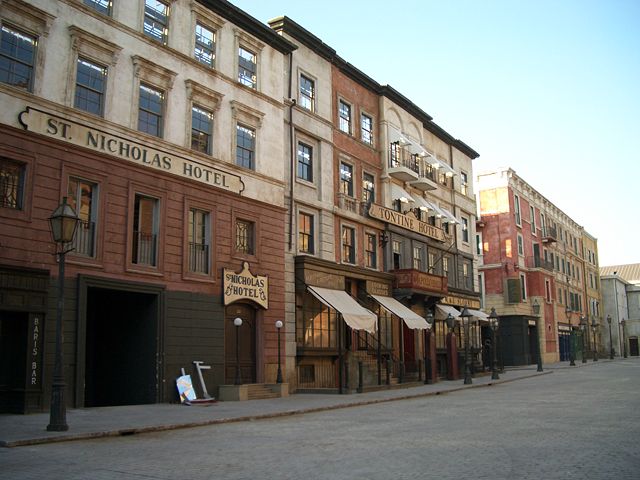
{"x":246,"y":352}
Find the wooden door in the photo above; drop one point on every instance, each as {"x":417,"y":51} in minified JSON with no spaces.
{"x":244,"y":356}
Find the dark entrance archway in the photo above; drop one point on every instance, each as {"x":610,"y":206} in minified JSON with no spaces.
{"x":246,"y":353}
{"x":120,"y":348}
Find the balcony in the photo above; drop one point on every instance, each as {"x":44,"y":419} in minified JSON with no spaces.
{"x":144,"y":248}
{"x":539,"y":262}
{"x":198,"y":258}
{"x":420,"y":281}
{"x":350,"y":204}
{"x":427,"y":177}
{"x":549,"y":234}
{"x":83,"y":242}
{"x":402,"y":164}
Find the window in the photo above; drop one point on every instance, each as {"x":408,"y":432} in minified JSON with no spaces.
{"x":532,"y":213}
{"x":520,"y":245}
{"x":205,"y":48}
{"x":247,"y":68}
{"x":432,"y":262}
{"x":417,"y":258}
{"x":91,"y":80}
{"x":465,"y":229}
{"x":371,"y":246}
{"x":17,"y":58}
{"x":100,"y":6}
{"x":397,"y":250}
{"x":523,"y":286}
{"x":305,"y":162}
{"x":11,"y":184}
{"x":547,"y":289}
{"x":516,"y":203}
{"x":83,"y":198}
{"x":245,"y":237}
{"x":198,"y":238}
{"x":305,"y":233}
{"x":543,"y":224}
{"x":145,"y":231}
{"x":368,"y":189}
{"x":479,"y":244}
{"x":201,"y":129}
{"x":445,"y":269}
{"x":307,"y":96}
{"x":150,"y":110}
{"x":156,"y":20}
{"x":464,"y":187}
{"x":344,"y":117}
{"x":466,"y":274}
{"x":366,"y":129}
{"x":348,"y":245}
{"x":245,"y":146}
{"x":346,"y":179}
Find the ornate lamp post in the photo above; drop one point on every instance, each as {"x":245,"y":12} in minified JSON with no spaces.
{"x":493,"y":322}
{"x":572,"y":360}
{"x":594,"y":327}
{"x":535,"y":308}
{"x":583,"y":327}
{"x":63,"y":223}
{"x":237,"y":322}
{"x":427,"y":351}
{"x":279,"y":376}
{"x":466,"y":319}
{"x":610,"y":338}
{"x":623,"y":322}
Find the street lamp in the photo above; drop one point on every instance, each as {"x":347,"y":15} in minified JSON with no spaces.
{"x":427,"y":351}
{"x":610,"y":338}
{"x":594,"y":326}
{"x":63,"y":223}
{"x":583,"y":327}
{"x":623,"y":322}
{"x":535,"y":307}
{"x":493,"y":323}
{"x":466,"y":319}
{"x":237,"y":322}
{"x":279,"y":376}
{"x":572,"y":359}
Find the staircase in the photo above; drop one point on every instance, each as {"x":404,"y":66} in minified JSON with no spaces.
{"x":260,"y":391}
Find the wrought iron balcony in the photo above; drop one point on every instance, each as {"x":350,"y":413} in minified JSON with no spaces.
{"x":427,"y":176}
{"x":84,"y":241}
{"x":549,"y":234}
{"x":144,"y":248}
{"x":198,"y":258}
{"x":539,"y":262}
{"x":402,"y":164}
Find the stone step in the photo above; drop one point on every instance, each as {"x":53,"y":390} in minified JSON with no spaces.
{"x":260,"y":392}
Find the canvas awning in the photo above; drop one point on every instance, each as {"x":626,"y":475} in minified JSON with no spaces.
{"x":442,"y":311}
{"x":449,"y":216}
{"x":397,"y":192}
{"x":410,"y":318}
{"x":478,"y":314}
{"x":354,"y":314}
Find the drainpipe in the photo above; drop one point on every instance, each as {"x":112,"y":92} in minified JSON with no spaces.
{"x":292,"y":103}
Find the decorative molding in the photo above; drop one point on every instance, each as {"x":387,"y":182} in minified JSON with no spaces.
{"x":202,"y":95}
{"x":97,"y":48}
{"x":27,"y":16}
{"x":246,"y":114}
{"x":153,"y":73}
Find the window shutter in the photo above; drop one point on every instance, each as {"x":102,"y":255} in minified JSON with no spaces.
{"x":512,"y":290}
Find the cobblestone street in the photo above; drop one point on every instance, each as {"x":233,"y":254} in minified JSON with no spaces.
{"x":576,"y":423}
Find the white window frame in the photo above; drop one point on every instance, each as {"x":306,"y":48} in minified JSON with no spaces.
{"x":516,"y":206}
{"x":247,"y":42}
{"x":523,"y":287}
{"x":200,"y":96}
{"x":349,"y":131}
{"x":532,"y":213}
{"x":520,"y":244}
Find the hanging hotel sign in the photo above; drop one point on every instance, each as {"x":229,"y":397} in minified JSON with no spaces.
{"x":245,"y":286}
{"x":50,"y":125}
{"x":406,"y":220}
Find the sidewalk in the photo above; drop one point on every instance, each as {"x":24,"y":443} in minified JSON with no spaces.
{"x":19,"y":430}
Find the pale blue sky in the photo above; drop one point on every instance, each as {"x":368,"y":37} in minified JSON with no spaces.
{"x":548,"y":88}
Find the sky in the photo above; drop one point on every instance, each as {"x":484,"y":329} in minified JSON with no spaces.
{"x":550,"y":88}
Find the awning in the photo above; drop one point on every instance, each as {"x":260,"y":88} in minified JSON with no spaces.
{"x":449,"y":216}
{"x":480,"y":315}
{"x":442,"y":311}
{"x":437,"y":163}
{"x":354,"y":315}
{"x":398,"y":192}
{"x":396,"y":135}
{"x":422,"y":203}
{"x":410,"y":318}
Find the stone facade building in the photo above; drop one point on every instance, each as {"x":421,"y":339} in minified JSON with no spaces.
{"x":620,"y":286}
{"x":162,"y":125}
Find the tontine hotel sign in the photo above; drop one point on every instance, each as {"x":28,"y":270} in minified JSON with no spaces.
{"x":408,"y":221}
{"x":50,"y":125}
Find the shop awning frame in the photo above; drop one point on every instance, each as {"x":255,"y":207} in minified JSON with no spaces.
{"x":442,"y":311}
{"x":353,"y":314}
{"x":409,"y":317}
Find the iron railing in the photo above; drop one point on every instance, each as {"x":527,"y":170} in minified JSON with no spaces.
{"x":144,"y":248}
{"x":84,"y":240}
{"x":198,"y":258}
{"x":539,"y":262}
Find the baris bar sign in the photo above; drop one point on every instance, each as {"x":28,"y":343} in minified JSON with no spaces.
{"x":44,"y":123}
{"x":245,"y":286}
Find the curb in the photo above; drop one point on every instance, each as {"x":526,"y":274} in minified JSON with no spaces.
{"x":248,"y":418}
